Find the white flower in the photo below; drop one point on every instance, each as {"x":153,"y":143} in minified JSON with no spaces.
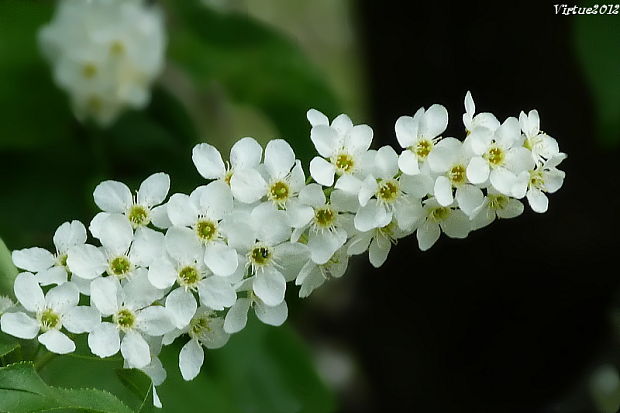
{"x":205,"y":329}
{"x":471,"y":121}
{"x":495,"y":205}
{"x":313,"y":275}
{"x":449,"y":160}
{"x":499,"y":156}
{"x":436,"y":218}
{"x":237,"y":316}
{"x":342,"y":148}
{"x":385,"y":193}
{"x":52,"y":268}
{"x":202,"y":211}
{"x":262,"y":239}
{"x":540,"y":144}
{"x":51,"y":312}
{"x":184,"y":265}
{"x":325,"y":221}
{"x":543,"y":179}
{"x":132,"y":316}
{"x":105,"y":54}
{"x":377,"y":241}
{"x":418,"y":134}
{"x":245,"y":157}
{"x":122,"y":251}
{"x":114,"y":197}
{"x":6,"y":305}
{"x":283,"y":174}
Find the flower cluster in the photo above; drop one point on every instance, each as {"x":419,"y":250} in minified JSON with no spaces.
{"x":194,"y":265}
{"x":105,"y":54}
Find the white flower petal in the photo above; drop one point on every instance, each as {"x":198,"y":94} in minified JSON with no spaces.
{"x":55,"y":275}
{"x":221,"y":259}
{"x":434,"y":121}
{"x":69,"y":234}
{"x":208,"y":161}
{"x":245,"y":153}
{"x":216,"y":200}
{"x":104,"y":340}
{"x":182,"y":211}
{"x":33,"y":259}
{"x":183,"y":245}
{"x":269,"y":285}
{"x":63,"y":297}
{"x":237,"y":316}
{"x":159,"y":217}
{"x":182,"y":306}
{"x":372,"y":215}
{"x":86,"y":261}
{"x":469,"y":197}
{"x":538,"y":200}
{"x":191,"y":358}
{"x":135,"y":350}
{"x":104,"y":295}
{"x":316,"y":118}
{"x":359,"y":138}
{"x":457,"y":225}
{"x":112,"y":196}
{"x":427,"y":235}
{"x":148,"y":245}
{"x":19,"y":325}
{"x":82,"y":319}
{"x":408,"y":163}
{"x":162,"y":273}
{"x":513,"y":209}
{"x":378,"y":252}
{"x":324,"y":244}
{"x":116,"y":234}
{"x":279,"y":158}
{"x":273,"y":316}
{"x":57,"y":342}
{"x":478,"y":170}
{"x":406,"y":129}
{"x":28,"y":292}
{"x":325,"y":140}
{"x":154,"y":189}
{"x":216,"y":293}
{"x":443,"y":191}
{"x":248,"y":186}
{"x":322,"y":171}
{"x":503,"y":180}
{"x":154,"y":321}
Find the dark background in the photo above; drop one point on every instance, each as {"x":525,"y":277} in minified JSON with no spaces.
{"x":514,"y":318}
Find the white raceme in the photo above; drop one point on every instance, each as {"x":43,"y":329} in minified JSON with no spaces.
{"x":192,"y":267}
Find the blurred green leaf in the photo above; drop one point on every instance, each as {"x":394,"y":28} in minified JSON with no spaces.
{"x":22,"y":390}
{"x":261,"y":370}
{"x":596,"y":39}
{"x":8,"y":272}
{"x":35,"y":112}
{"x":256,"y":64}
{"x":7,"y":344}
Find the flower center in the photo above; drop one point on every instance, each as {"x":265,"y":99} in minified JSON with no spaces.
{"x":438,"y":214}
{"x":344,"y":163}
{"x":422,"y":148}
{"x":388,"y":231}
{"x":117,"y":48}
{"x":260,"y":256}
{"x":536,"y":179}
{"x":89,"y":70}
{"x":495,"y":156}
{"x":120,"y":266}
{"x":279,"y":192}
{"x":138,"y":216}
{"x":94,"y":104}
{"x":199,"y":326}
{"x":388,"y":190}
{"x":189,"y":276}
{"x":228,"y":176}
{"x":49,"y":320}
{"x":206,"y":230}
{"x":497,"y":201}
{"x":457,"y":174}
{"x":324,"y":217}
{"x":61,"y":260}
{"x":125,"y":319}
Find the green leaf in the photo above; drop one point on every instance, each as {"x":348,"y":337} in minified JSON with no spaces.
{"x":596,"y":37}
{"x":7,"y":344}
{"x":137,"y":382}
{"x":256,"y":64}
{"x":8,"y":272}
{"x":22,"y":390}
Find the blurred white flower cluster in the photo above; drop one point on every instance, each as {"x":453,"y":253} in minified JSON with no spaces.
{"x":105,"y":54}
{"x":194,"y":265}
